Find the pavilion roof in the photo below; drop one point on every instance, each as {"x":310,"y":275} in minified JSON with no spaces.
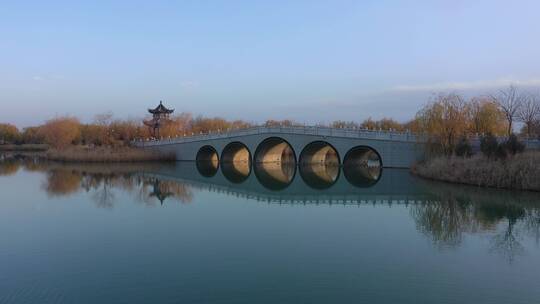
{"x":161,"y":109}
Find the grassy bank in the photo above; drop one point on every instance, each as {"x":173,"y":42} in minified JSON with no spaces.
{"x":519,"y":172}
{"x":24,"y":147}
{"x":84,"y":154}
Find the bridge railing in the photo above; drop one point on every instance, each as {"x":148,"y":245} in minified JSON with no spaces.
{"x":311,"y":130}
{"x":300,"y":130}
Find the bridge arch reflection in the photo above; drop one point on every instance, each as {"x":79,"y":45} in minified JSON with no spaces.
{"x":275,"y":175}
{"x":279,"y":176}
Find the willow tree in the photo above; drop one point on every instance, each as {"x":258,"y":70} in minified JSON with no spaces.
{"x":8,"y":133}
{"x":445,"y":120}
{"x":486,"y":117}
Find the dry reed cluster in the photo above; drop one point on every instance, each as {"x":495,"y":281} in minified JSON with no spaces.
{"x":25,"y":147}
{"x":124,"y":154}
{"x":520,"y":172}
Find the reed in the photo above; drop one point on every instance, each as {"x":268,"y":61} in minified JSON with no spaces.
{"x":24,"y":147}
{"x":106,"y":155}
{"x":519,"y":172}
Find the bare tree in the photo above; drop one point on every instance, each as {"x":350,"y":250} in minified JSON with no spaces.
{"x":509,"y":101}
{"x":529,"y":111}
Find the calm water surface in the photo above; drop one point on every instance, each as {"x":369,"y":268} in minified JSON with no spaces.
{"x":181,"y":233}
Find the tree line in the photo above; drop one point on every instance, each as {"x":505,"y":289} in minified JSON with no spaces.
{"x":447,"y":119}
{"x":450,"y":120}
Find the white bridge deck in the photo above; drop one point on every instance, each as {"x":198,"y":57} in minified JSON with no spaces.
{"x":296,"y":130}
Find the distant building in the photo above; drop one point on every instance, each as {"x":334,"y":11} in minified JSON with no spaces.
{"x":160,"y":117}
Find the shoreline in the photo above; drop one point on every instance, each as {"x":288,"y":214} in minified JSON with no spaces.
{"x":519,"y":172}
{"x":24,"y":148}
{"x":106,"y":155}
{"x":81,"y":154}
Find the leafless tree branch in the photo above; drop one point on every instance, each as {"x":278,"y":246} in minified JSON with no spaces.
{"x":510,"y":101}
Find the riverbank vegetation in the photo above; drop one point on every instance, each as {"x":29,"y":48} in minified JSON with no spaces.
{"x":503,"y":164}
{"x":497,"y":158}
{"x":106,"y":154}
{"x":448,"y":120}
{"x":24,"y":147}
{"x":520,"y":171}
{"x":67,"y":131}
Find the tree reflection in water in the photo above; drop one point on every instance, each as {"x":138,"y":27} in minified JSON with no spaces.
{"x":9,"y":164}
{"x":62,"y":182}
{"x":101,"y":181}
{"x":454,"y":211}
{"x":446,"y":214}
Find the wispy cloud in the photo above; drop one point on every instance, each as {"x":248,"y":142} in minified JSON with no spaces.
{"x":471,"y":85}
{"x":47,"y":77}
{"x":189,"y":84}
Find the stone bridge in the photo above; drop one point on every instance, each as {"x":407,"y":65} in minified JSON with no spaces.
{"x":286,"y":158}
{"x":302,"y":146}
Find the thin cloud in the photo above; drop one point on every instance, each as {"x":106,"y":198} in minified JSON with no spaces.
{"x":47,"y":77}
{"x":189,"y":84}
{"x":473,"y":85}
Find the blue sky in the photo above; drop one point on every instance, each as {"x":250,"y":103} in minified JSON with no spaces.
{"x":311,"y":61}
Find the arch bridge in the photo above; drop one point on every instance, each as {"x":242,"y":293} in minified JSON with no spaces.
{"x":317,"y":149}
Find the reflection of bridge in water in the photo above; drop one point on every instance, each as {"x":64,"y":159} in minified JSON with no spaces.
{"x":391,"y":186}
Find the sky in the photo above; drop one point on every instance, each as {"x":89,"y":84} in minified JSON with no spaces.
{"x":311,"y":61}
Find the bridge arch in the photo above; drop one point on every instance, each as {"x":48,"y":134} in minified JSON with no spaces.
{"x":319,"y":164}
{"x":207,"y":161}
{"x":275,"y":163}
{"x":235,"y":152}
{"x":362,"y":166}
{"x":274,"y":149}
{"x":236,"y":162}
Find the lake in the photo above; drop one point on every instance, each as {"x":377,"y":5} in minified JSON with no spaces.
{"x":191,"y":233}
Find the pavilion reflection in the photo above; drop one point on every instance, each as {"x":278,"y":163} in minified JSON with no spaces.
{"x":165,"y":189}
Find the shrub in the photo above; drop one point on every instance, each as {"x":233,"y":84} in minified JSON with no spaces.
{"x":513,"y":145}
{"x":32,"y":135}
{"x":61,"y":132}
{"x":463,"y":148}
{"x":489,"y":145}
{"x":9,"y":133}
{"x":513,"y":173}
{"x":501,"y":151}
